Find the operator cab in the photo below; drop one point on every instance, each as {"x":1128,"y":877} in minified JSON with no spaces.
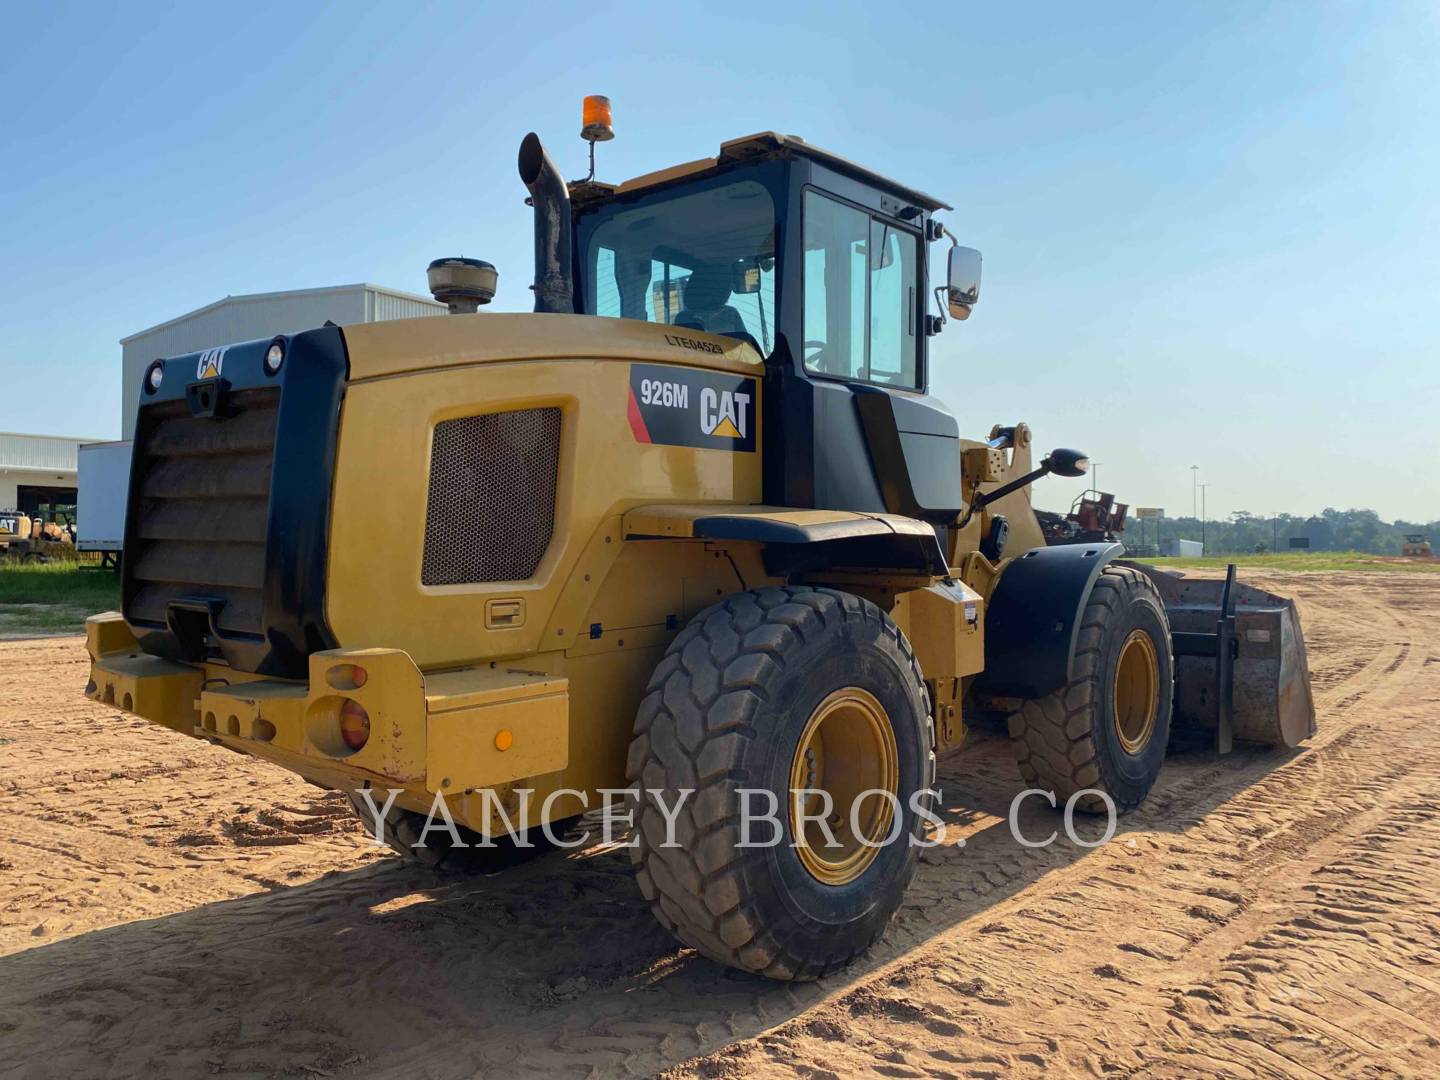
{"x":820,"y":265}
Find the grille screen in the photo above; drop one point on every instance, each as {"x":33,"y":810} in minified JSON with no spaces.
{"x":491,"y":511}
{"x":201,"y":511}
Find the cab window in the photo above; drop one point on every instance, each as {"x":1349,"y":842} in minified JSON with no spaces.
{"x":700,"y":259}
{"x":860,"y":295}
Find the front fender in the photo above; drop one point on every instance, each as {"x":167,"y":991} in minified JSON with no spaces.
{"x":1033,"y":618}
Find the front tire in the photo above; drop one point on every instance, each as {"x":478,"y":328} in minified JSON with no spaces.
{"x":1107,"y":730}
{"x":775,"y":689}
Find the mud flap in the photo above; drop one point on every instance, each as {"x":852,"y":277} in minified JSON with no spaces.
{"x":1258,"y":634}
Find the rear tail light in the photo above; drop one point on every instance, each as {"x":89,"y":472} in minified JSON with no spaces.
{"x":354,"y":724}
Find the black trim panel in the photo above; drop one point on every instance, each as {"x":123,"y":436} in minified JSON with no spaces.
{"x":311,"y":382}
{"x":1033,"y":618}
{"x":298,"y":536}
{"x":914,"y":446}
{"x":770,"y":531}
{"x":889,"y":541}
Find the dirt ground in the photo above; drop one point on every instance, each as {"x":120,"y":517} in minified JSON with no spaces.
{"x":171,"y":909}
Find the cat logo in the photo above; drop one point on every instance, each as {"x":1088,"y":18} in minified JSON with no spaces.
{"x":724,"y":413}
{"x":211,"y":361}
{"x":671,"y":405}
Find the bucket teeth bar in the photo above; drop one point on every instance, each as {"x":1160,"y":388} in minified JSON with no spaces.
{"x":1240,"y":665}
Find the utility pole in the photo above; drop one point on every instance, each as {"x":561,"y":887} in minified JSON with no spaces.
{"x":1275,"y":544}
{"x":1203,"y":515}
{"x":1194,"y":496}
{"x":1095,"y":474}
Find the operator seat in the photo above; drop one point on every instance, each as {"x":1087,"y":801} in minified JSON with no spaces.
{"x":706,"y":291}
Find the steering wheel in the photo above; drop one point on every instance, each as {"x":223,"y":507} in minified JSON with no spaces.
{"x":815,"y":360}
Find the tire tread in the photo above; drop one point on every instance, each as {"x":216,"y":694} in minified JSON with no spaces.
{"x":1053,"y":736}
{"x":733,"y":644}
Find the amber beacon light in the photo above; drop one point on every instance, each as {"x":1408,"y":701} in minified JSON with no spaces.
{"x":595,"y":120}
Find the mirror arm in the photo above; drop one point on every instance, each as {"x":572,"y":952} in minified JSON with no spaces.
{"x":984,"y":499}
{"x":941,"y":231}
{"x":940,"y":304}
{"x":981,"y":499}
{"x":954,"y":243}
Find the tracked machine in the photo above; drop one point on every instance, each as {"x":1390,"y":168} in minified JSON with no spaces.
{"x":694,"y":525}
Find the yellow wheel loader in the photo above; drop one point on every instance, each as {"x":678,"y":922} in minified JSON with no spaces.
{"x":692,"y":536}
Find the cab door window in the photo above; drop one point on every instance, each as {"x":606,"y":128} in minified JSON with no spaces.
{"x":860,"y":295}
{"x":892,"y":306}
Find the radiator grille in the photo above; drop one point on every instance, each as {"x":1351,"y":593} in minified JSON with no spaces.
{"x":491,"y":511}
{"x":201,"y":509}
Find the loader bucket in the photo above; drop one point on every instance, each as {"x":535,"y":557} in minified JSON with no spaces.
{"x":1270,"y":700}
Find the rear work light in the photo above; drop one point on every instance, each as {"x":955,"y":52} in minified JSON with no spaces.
{"x":354,"y":724}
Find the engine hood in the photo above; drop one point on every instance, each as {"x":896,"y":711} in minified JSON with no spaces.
{"x":381,"y":349}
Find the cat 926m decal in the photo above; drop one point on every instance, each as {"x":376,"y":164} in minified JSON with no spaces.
{"x":683,"y":407}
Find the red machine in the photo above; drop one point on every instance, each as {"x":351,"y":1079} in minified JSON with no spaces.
{"x":1095,"y":517}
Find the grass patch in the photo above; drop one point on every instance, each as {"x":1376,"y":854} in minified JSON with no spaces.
{"x":1296,"y":560}
{"x":48,"y":598}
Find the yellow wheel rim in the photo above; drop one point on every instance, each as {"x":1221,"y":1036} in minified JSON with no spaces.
{"x":1137,"y":691}
{"x":846,"y":749}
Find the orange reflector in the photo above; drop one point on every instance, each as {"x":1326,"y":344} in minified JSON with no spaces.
{"x":354,"y":724}
{"x":596,"y":123}
{"x":503,"y":739}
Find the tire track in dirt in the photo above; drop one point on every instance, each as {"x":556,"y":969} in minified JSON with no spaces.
{"x":1002,"y":958}
{"x":1230,"y":895}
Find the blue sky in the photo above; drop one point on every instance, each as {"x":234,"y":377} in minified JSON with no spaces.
{"x":1210,"y":231}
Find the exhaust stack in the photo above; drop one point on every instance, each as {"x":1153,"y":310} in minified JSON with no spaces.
{"x":554,"y":285}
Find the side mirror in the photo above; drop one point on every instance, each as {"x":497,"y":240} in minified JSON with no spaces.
{"x":964,"y":288}
{"x":1067,"y":462}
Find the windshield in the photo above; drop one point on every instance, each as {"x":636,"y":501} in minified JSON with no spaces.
{"x":701,"y":259}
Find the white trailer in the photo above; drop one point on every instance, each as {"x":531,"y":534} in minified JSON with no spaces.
{"x":1185,"y":549}
{"x":104,"y":482}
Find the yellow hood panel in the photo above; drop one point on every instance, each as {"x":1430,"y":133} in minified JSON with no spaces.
{"x":405,"y":345}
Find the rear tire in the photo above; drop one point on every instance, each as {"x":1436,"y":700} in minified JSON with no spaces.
{"x":1108,"y":729}
{"x":736,"y":703}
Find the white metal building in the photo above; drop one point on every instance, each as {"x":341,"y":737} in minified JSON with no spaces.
{"x":37,"y":471}
{"x":259,"y":315}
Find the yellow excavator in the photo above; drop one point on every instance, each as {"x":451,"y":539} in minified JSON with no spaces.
{"x":694,"y":529}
